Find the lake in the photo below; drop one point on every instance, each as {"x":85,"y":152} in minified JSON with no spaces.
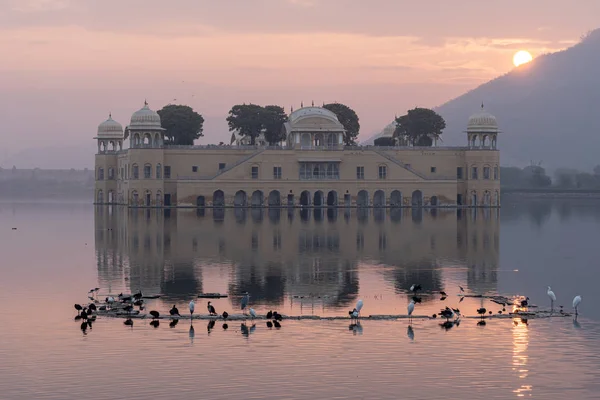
{"x":299,"y":262}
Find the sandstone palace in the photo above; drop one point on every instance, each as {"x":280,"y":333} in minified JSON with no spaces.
{"x":311,"y":169}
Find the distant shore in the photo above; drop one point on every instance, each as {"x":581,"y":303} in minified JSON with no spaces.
{"x":552,"y":192}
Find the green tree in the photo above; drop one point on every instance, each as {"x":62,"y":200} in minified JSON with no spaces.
{"x":348,"y":118}
{"x":247,"y":119}
{"x":384,"y":141}
{"x":182,"y":124}
{"x":273,"y":118}
{"x":419,"y":125}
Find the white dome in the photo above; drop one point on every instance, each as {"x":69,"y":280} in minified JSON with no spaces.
{"x":482,"y":122}
{"x":145,"y":118}
{"x":110,"y":127}
{"x":311,"y":112}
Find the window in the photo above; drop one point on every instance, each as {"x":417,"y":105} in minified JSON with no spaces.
{"x":319,"y":170}
{"x":254,"y":172}
{"x":433,"y":169}
{"x":100,"y":174}
{"x":194,"y":168}
{"x":222,"y":165}
{"x":459,"y":173}
{"x":495,"y":173}
{"x":276,"y":172}
{"x":382,"y":172}
{"x":111,"y":173}
{"x":474,"y":173}
{"x":158,"y":171}
{"x":147,"y":171}
{"x":360,"y":172}
{"x":167,"y":172}
{"x":486,"y":172}
{"x":136,"y":171}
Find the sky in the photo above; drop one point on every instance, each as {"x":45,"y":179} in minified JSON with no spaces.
{"x":67,"y":63}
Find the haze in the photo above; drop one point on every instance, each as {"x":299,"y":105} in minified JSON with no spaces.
{"x":66,"y":64}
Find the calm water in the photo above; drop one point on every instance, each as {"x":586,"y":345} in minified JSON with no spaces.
{"x":310,"y":262}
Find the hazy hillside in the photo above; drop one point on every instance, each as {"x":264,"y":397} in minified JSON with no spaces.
{"x":548,"y":110}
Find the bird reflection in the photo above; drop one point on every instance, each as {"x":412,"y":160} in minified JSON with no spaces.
{"x":576,"y":324}
{"x":210,"y":326}
{"x":155,"y":323}
{"x":481,"y":323}
{"x":191,"y":333}
{"x":269,"y":324}
{"x":173,"y":323}
{"x":410,"y":333}
{"x":128,"y":322}
{"x":244,"y":330}
{"x":225,"y":326}
{"x":83,"y":327}
{"x":356,"y":328}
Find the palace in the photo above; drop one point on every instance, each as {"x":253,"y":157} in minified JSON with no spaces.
{"x":312,"y":168}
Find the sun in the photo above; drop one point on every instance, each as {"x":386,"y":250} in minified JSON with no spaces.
{"x":522,"y":57}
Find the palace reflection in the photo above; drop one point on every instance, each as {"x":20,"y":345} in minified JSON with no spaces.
{"x":274,"y":253}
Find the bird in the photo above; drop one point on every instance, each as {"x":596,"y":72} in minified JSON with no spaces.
{"x":576,"y":302}
{"x":277,"y":316}
{"x":245,"y":301}
{"x":359,"y":306}
{"x":138,"y":295}
{"x":78,"y":308}
{"x":415,"y":287}
{"x":552,"y":296}
{"x":92,"y":307}
{"x":269,"y":324}
{"x":276,"y":324}
{"x":456,"y":311}
{"x":192,"y":307}
{"x":525,"y":303}
{"x":83,"y":314}
{"x":155,"y":314}
{"x":225,"y":314}
{"x":481,"y":311}
{"x":462,"y":290}
{"x":109,"y":300}
{"x":252,"y":313}
{"x":211,"y":325}
{"x":446,"y":313}
{"x":124,"y":297}
{"x":128,"y":322}
{"x":211,"y":309}
{"x":174,"y":311}
{"x":443,"y":293}
{"x":417,"y":299}
{"x":270,"y":315}
{"x":411,"y":308}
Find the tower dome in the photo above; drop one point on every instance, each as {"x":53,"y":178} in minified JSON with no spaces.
{"x":110,"y":128}
{"x":482,"y":122}
{"x":145,"y":118}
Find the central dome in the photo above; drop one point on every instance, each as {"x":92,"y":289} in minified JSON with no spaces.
{"x":145,"y":118}
{"x":482,"y":121}
{"x":110,"y":127}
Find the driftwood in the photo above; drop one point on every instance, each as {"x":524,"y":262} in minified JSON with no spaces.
{"x":212,"y":295}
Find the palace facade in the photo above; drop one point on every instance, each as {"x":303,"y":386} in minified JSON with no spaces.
{"x":312,"y":168}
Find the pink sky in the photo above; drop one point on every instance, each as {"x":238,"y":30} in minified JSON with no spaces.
{"x":67,"y":63}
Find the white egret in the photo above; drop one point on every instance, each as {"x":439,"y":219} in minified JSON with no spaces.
{"x":192,"y":307}
{"x":411,"y":308}
{"x":552,"y":296}
{"x":576,"y":302}
{"x":359,"y":306}
{"x":252,"y":313}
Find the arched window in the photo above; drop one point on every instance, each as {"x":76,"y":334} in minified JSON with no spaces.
{"x":100,"y":197}
{"x":147,"y":171}
{"x":100,"y":174}
{"x":111,"y":173}
{"x":136,"y":171}
{"x":158,"y":171}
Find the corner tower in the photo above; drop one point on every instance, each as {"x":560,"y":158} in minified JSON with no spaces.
{"x":110,"y":142}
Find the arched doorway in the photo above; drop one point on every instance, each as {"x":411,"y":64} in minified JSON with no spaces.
{"x":379,"y":198}
{"x":417,"y":198}
{"x":318,"y":199}
{"x":274,"y":198}
{"x":332,"y":198}
{"x":496,"y":199}
{"x":362,"y":198}
{"x":148,"y":198}
{"x":433,"y":201}
{"x":240,"y":199}
{"x":396,"y":198}
{"x":218,"y":198}
{"x":200,"y":201}
{"x":135,"y":198}
{"x":347,"y":199}
{"x":111,"y":197}
{"x":100,"y":197}
{"x":474,"y":199}
{"x":159,"y":198}
{"x":305,"y":198}
{"x":487,"y":198}
{"x":257,"y":198}
{"x":290,"y":200}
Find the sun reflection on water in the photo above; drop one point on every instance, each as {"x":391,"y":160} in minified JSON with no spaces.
{"x":520,"y":355}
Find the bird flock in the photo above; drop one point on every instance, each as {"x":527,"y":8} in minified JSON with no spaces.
{"x":126,"y":302}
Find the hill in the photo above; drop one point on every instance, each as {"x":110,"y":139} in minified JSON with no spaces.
{"x":548,"y":109}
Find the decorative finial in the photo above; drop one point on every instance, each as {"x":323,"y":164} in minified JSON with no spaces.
{"x":292,"y":109}
{"x":109,"y":115}
{"x":301,"y":104}
{"x":323,"y":104}
{"x":482,"y":105}
{"x":313,"y":103}
{"x":145,"y":103}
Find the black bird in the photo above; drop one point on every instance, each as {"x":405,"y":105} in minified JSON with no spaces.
{"x":155,"y":323}
{"x":276,"y":324}
{"x":225,"y":326}
{"x":270,"y":315}
{"x":211,"y":309}
{"x":173,"y":323}
{"x":174,"y":311}
{"x":456,"y":311}
{"x":442,"y":298}
{"x":89,"y":312}
{"x":77,"y":317}
{"x":461,"y":299}
{"x":225,"y":314}
{"x":434,"y":316}
{"x":417,"y":299}
{"x":92,"y":307}
{"x":269,"y":324}
{"x":138,"y":295}
{"x":84,"y":314}
{"x":155,"y":314}
{"x":525,"y":303}
{"x":128,"y":322}
{"x":481,"y":311}
{"x":84,"y":326}
{"x":447,"y":325}
{"x":443,"y":293}
{"x":462,"y":290}
{"x":277,"y":316}
{"x":446,"y":313}
{"x":78,"y":308}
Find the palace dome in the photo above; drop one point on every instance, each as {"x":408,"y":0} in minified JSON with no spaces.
{"x":110,"y":127}
{"x":145,"y":118}
{"x":482,"y":121}
{"x":312,"y":112}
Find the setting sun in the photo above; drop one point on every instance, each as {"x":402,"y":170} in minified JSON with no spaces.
{"x":521,"y":57}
